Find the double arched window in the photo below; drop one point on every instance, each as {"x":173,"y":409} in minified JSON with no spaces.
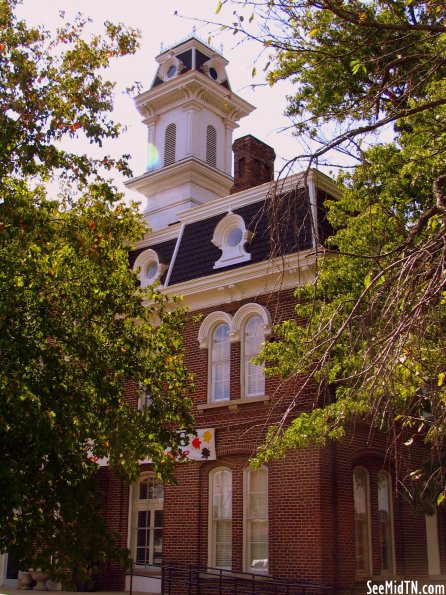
{"x":250,"y":326}
{"x":255,"y":519}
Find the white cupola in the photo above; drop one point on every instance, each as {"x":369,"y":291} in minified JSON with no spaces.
{"x":190,"y":113}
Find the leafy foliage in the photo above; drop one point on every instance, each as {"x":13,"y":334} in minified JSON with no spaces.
{"x":75,"y":328}
{"x":371,"y":326}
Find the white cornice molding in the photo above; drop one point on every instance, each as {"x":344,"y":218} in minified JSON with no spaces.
{"x":187,"y":170}
{"x":246,"y":282}
{"x":159,"y":236}
{"x":192,"y":85}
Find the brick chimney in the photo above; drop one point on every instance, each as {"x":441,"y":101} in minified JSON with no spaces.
{"x":253,"y":163}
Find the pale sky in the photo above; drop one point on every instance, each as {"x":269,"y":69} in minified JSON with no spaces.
{"x":160,"y":29}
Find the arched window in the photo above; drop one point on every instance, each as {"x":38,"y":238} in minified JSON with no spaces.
{"x":220,"y":354}
{"x":147,"y":521}
{"x":254,"y":335}
{"x":220,"y":518}
{"x":170,"y":140}
{"x":385,"y":522}
{"x":211,"y":146}
{"x":362,"y":520}
{"x":256,"y":519}
{"x":251,"y":325}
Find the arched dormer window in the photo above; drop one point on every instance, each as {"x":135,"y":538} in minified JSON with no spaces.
{"x":211,"y":146}
{"x":170,"y":140}
{"x":151,"y":269}
{"x":230,"y":236}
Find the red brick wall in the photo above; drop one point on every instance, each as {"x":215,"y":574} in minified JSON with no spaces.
{"x":311,"y":522}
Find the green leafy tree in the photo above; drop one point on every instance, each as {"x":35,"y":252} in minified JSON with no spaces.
{"x":371,"y":326}
{"x":75,"y":328}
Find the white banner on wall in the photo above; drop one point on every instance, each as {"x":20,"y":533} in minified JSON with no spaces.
{"x":194,"y":448}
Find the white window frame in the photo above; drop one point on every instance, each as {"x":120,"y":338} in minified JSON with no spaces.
{"x":241,"y":319}
{"x":367,"y":542}
{"x":248,"y":519}
{"x":390,"y":571}
{"x":214,"y":363}
{"x":231,"y":253}
{"x":205,"y":339}
{"x":149,"y":261}
{"x":212,"y":523}
{"x":144,"y":505}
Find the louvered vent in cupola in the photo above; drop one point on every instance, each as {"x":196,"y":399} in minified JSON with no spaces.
{"x":211,"y":146}
{"x":170,"y":140}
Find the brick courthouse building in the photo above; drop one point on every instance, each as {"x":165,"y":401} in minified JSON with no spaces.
{"x":329,"y":516}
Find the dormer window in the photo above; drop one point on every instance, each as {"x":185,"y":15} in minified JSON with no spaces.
{"x":171,"y":68}
{"x":230,"y":236}
{"x":151,"y":269}
{"x":215,"y":70}
{"x":171,"y":71}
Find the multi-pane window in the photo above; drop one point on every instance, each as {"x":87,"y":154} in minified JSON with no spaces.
{"x":256,"y":520}
{"x":253,"y":374}
{"x":385,"y":522}
{"x":220,"y":363}
{"x":221,"y":518}
{"x":362,"y":520}
{"x":211,"y":146}
{"x":170,"y":141}
{"x":147,"y":530}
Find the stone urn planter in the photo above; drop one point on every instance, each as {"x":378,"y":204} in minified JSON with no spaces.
{"x":40,"y":577}
{"x":26,"y":582}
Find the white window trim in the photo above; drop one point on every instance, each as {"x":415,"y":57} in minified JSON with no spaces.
{"x":164,"y":68}
{"x":236,"y":327}
{"x":141,"y":264}
{"x":219,"y":68}
{"x":211,"y":527}
{"x":241,"y":317}
{"x":246,"y":534}
{"x":208,"y":325}
{"x":231,"y":254}
{"x":133,"y":512}
{"x":211,"y":375}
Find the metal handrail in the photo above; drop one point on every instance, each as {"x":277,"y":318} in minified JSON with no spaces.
{"x":192,"y":580}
